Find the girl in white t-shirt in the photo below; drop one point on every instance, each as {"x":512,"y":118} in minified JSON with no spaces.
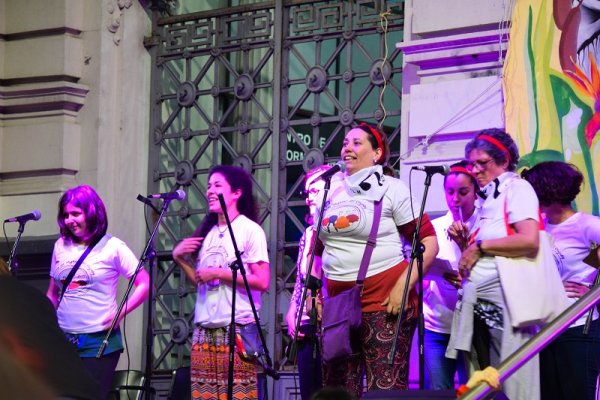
{"x":569,"y":366}
{"x":205,"y":259}
{"x":88,"y":305}
{"x":442,"y":282}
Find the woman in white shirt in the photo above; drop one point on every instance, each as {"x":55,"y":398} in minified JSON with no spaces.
{"x":348,"y":220}
{"x":569,"y":366}
{"x":88,"y":305}
{"x":483,"y":322}
{"x":442,"y":281}
{"x":205,"y":258}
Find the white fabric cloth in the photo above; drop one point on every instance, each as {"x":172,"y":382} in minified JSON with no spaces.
{"x":213,"y":300}
{"x":349,"y":217}
{"x":439,"y":296}
{"x":573,"y":240}
{"x":91,"y":297}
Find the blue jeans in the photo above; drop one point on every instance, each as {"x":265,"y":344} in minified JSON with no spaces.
{"x":439,"y":370}
{"x":569,"y":366}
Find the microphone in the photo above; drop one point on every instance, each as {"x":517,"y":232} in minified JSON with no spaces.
{"x":433,"y":169}
{"x":339,"y":166}
{"x":32,"y":216}
{"x":176,"y":195}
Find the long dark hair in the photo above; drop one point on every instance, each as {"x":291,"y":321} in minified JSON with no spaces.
{"x":86,"y":198}
{"x":238,"y":179}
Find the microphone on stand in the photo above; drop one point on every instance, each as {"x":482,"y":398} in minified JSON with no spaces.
{"x":32,"y":216}
{"x":176,"y":195}
{"x":339,"y":166}
{"x":433,"y":169}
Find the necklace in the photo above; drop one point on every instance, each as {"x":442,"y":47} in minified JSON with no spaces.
{"x":222,"y":232}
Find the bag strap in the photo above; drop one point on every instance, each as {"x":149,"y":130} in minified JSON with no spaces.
{"x":509,"y":230}
{"x":75,"y":268}
{"x":364,"y":264}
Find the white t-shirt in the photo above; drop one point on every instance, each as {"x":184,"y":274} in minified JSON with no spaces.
{"x":348,"y":220}
{"x":522,"y":204}
{"x":573,"y":240}
{"x":439,"y":296}
{"x":213,"y":300}
{"x":91,"y":296}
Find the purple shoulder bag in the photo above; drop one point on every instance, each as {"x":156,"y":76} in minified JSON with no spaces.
{"x":342,"y":314}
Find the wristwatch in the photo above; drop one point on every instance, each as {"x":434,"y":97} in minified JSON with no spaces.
{"x":478,"y":244}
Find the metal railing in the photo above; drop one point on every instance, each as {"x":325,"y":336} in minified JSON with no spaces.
{"x":537,"y":343}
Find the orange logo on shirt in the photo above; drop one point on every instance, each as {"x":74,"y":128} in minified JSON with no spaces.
{"x":339,"y":221}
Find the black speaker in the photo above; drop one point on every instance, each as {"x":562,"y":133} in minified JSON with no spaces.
{"x":410,"y":394}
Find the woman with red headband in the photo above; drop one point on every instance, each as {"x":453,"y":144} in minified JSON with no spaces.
{"x":346,"y":226}
{"x":482,"y":322}
{"x":442,"y":282}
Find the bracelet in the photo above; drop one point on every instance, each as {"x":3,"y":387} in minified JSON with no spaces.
{"x":478,"y":244}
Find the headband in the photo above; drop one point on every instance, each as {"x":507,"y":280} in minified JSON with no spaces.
{"x":462,"y":170}
{"x":498,"y":144}
{"x":373,"y":132}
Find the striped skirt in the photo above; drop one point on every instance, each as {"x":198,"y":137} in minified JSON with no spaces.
{"x":209,"y":367}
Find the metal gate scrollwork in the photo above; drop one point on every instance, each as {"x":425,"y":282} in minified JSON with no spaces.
{"x":272,"y":87}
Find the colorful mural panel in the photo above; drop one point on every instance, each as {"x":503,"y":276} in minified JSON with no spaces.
{"x":551,"y":87}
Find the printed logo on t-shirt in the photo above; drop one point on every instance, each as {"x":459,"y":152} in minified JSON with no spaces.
{"x":213,"y":257}
{"x":344,"y":218}
{"x":558,"y":259}
{"x":82,"y":279}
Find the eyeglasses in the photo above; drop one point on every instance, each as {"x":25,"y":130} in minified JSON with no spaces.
{"x":480,"y":164}
{"x":312,"y":191}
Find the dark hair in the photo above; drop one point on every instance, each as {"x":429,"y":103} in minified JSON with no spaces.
{"x":237,"y":178}
{"x":460,"y":165}
{"x":86,"y":198}
{"x":332,"y":393}
{"x":497,"y":153}
{"x":371,"y":131}
{"x":554,"y":182}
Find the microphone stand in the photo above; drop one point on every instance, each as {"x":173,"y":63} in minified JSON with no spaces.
{"x":13,"y":251}
{"x":311,"y":283}
{"x":238,"y":264}
{"x":417,"y":251}
{"x":147,"y":255}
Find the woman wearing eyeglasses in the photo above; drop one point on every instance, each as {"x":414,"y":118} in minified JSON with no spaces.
{"x":482,"y":322}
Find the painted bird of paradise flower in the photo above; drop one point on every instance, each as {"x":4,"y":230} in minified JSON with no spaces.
{"x":591,"y":87}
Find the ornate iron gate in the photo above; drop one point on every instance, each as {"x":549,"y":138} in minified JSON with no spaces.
{"x":272,"y":87}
